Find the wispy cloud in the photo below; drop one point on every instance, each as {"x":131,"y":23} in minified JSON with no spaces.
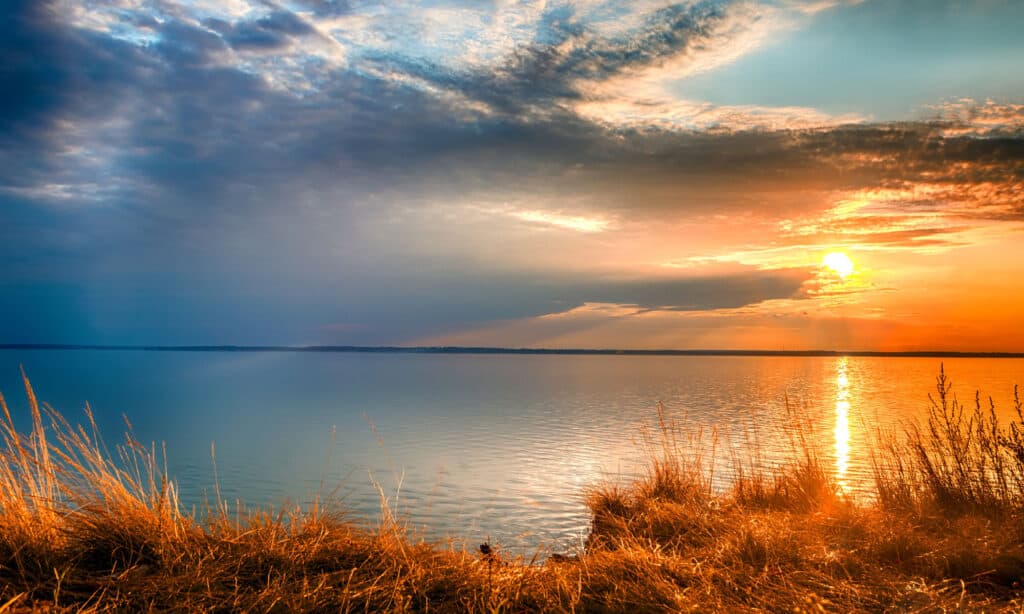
{"x":677,"y":115}
{"x":988,"y":119}
{"x":577,"y":223}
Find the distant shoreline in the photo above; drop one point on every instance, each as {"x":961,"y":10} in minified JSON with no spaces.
{"x":358,"y":349}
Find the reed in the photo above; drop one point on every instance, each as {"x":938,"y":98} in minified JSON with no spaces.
{"x":961,"y":459}
{"x":84,"y":528}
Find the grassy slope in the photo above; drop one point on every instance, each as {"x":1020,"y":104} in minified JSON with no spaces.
{"x":85,"y":529}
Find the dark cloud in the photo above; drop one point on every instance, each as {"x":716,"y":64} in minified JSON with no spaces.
{"x":546,"y":71}
{"x":389,"y":307}
{"x":31,"y":77}
{"x":514,"y":296}
{"x":46,"y":69}
{"x":184,"y":46}
{"x":406,"y":308}
{"x":326,"y":8}
{"x":266,"y":33}
{"x":59,"y":83}
{"x":721,"y":291}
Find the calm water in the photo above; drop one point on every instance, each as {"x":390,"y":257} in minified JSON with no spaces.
{"x":473,"y":446}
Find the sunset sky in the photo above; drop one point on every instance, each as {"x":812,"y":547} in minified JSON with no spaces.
{"x":548,"y":174}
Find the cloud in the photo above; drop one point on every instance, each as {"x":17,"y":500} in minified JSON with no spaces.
{"x":173,"y":119}
{"x":616,"y":326}
{"x":468,"y":301}
{"x":577,"y":223}
{"x":227,"y":157}
{"x":723,"y":290}
{"x":967,"y":117}
{"x":382,"y":306}
{"x":812,"y":7}
{"x":273,"y":31}
{"x":327,"y":8}
{"x":566,"y":52}
{"x":674,"y":115}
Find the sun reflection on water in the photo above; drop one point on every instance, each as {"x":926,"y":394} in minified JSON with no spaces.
{"x":842,"y":428}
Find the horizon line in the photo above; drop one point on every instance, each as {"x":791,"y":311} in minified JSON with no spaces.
{"x":454,"y":349}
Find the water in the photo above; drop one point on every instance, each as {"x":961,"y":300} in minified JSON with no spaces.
{"x":474,"y":446}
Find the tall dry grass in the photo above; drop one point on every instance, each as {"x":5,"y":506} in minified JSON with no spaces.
{"x":962,"y":459}
{"x":86,"y":529}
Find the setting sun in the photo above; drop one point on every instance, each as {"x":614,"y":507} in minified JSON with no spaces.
{"x":840,"y":263}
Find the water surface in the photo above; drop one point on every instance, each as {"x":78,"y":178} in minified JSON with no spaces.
{"x":475,"y":446}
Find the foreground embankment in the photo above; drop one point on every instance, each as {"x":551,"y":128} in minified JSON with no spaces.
{"x":84,"y":528}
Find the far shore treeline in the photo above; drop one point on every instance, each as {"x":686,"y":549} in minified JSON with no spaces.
{"x":397,"y":349}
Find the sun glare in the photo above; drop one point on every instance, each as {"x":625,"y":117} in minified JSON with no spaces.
{"x":840,"y":263}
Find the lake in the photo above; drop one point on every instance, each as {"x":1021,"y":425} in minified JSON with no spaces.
{"x":475,"y":447}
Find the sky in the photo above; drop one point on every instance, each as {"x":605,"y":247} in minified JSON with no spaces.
{"x":588,"y":174}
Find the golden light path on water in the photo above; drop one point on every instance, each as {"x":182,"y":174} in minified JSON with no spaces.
{"x":842,"y":428}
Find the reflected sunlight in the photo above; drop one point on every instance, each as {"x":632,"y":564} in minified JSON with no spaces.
{"x":842,"y":428}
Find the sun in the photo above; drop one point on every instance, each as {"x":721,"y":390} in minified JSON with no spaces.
{"x":840,"y":263}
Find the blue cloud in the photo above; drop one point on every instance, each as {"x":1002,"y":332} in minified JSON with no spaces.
{"x":266,"y":33}
{"x":564,"y":51}
{"x":327,"y":8}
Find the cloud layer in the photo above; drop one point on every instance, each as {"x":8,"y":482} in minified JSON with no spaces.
{"x":317,"y":171}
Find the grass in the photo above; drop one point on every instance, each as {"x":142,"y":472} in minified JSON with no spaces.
{"x":86,"y":529}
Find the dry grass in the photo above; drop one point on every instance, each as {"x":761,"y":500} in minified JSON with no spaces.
{"x":961,"y":460}
{"x":84,"y":529}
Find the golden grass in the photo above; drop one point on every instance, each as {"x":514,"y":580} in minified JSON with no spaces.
{"x":83,"y":529}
